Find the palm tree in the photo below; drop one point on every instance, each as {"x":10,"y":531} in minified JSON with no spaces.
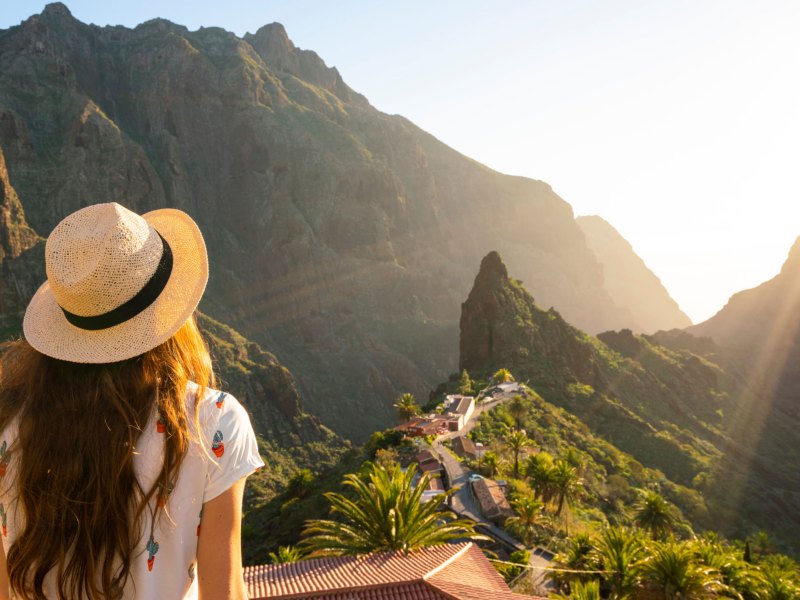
{"x":581,"y":591}
{"x":762,"y":543}
{"x":385,"y":513}
{"x":518,"y":409}
{"x":541,"y":475}
{"x":672,"y":571}
{"x":778,"y":584}
{"x":516,"y":440}
{"x":490,"y":463}
{"x":566,"y":484}
{"x":578,"y":556}
{"x":742,"y":579}
{"x":285,"y":554}
{"x":654,"y":514}
{"x":502,"y":376}
{"x":406,"y":406}
{"x":618,"y":550}
{"x":529,"y":515}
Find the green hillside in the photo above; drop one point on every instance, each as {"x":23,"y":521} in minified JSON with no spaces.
{"x":669,"y":409}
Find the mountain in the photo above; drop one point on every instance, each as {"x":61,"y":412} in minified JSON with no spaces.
{"x":340,"y":238}
{"x":669,"y":408}
{"x":629,"y":281}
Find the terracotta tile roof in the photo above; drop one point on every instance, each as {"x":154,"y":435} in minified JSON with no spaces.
{"x":463,"y":446}
{"x":492,"y":499}
{"x":426,"y":456}
{"x":449,"y":571}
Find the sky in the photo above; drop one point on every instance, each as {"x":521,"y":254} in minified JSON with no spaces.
{"x":676,"y":121}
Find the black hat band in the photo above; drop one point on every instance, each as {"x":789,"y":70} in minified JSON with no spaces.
{"x":143,"y":299}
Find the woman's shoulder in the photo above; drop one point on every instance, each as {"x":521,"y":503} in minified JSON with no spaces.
{"x":215,"y":405}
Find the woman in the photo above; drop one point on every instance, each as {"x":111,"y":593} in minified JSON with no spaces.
{"x":121,"y":469}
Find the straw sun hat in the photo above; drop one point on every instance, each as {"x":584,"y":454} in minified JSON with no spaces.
{"x":118,"y":284}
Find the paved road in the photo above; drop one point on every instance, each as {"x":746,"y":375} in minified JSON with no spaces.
{"x":462,"y":502}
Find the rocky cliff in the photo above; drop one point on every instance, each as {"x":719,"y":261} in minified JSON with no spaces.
{"x":699,"y":422}
{"x":340,"y":238}
{"x":628,"y":280}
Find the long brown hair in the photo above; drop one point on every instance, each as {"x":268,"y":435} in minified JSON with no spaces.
{"x":72,"y":460}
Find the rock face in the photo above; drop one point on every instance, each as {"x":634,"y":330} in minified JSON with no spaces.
{"x":681,"y":409}
{"x":629,"y":282}
{"x":340,"y":238}
{"x":15,"y":235}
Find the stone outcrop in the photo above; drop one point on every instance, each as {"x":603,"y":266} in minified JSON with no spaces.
{"x":685,"y":407}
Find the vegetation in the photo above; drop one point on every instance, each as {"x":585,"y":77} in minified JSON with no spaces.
{"x":465,"y":384}
{"x":385,"y":513}
{"x":528,"y":518}
{"x":516,"y":441}
{"x":654,"y":515}
{"x":285,"y":554}
{"x":628,"y":564}
{"x":406,"y":407}
{"x":502,"y":376}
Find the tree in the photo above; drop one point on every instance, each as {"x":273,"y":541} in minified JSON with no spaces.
{"x":516,"y":440}
{"x":502,"y":376}
{"x":541,"y":475}
{"x":490,"y":463}
{"x":654,"y":514}
{"x":762,"y":543}
{"x":518,"y":409}
{"x":672,"y":571}
{"x":618,"y":550}
{"x":567,"y":485}
{"x":387,"y":457}
{"x":581,"y":591}
{"x":578,"y":556}
{"x":385,"y":513}
{"x":285,"y":554}
{"x":778,"y":584}
{"x":529,"y":516}
{"x":300,"y":484}
{"x":406,"y":406}
{"x":465,"y":384}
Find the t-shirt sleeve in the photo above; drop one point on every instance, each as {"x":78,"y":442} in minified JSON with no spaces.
{"x":233,"y":446}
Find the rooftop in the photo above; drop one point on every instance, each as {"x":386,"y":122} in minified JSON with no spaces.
{"x":463,"y":446}
{"x":448,"y":571}
{"x":492,"y":499}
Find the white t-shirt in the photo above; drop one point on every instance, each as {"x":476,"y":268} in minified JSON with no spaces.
{"x":164,"y":563}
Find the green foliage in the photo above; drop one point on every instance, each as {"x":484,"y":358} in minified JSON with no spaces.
{"x":582,"y":591}
{"x":465,"y":384}
{"x":502,"y":376}
{"x":385,"y":513}
{"x":672,"y":570}
{"x":654,"y":514}
{"x":527,"y":520}
{"x":300,"y":484}
{"x":516,"y":441}
{"x":285,"y":554}
{"x":406,"y":407}
{"x":382,"y":440}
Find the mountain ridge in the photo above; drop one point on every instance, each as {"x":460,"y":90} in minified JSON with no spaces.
{"x":340,"y":238}
{"x":671,"y":409}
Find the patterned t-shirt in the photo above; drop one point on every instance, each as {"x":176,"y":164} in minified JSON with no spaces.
{"x":165,"y":560}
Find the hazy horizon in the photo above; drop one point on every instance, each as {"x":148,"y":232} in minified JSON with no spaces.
{"x":679,"y":124}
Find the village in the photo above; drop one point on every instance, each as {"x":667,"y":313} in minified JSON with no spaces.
{"x":445,"y":451}
{"x":438,"y":447}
